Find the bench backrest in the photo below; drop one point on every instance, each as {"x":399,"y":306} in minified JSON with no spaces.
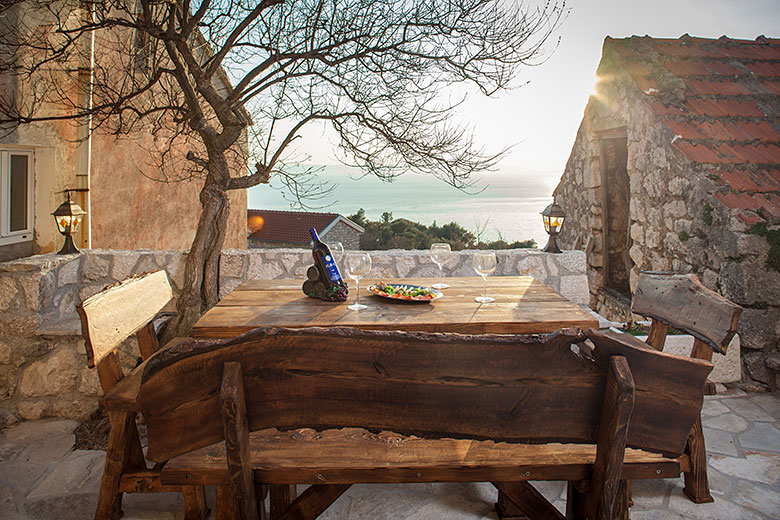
{"x":530,"y":389}
{"x":682,"y":302}
{"x":114,"y":314}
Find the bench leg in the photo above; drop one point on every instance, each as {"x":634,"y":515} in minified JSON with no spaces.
{"x":118,"y":453}
{"x":282,"y":495}
{"x":528,"y":501}
{"x":697,"y":486}
{"x":194,"y":503}
{"x":576,"y":492}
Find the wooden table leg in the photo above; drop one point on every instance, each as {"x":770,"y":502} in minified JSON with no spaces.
{"x":697,"y":486}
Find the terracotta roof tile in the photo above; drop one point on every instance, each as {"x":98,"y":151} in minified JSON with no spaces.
{"x":724,"y":130}
{"x":771,"y":85}
{"x":286,"y":226}
{"x":722,"y":108}
{"x":765,"y":68}
{"x":729,"y":115}
{"x":716,"y":87}
{"x":738,"y":201}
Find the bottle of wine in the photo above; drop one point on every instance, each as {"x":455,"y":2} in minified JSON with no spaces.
{"x":323,"y":258}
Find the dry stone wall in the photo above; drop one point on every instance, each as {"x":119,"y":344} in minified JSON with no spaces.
{"x":43,"y":371}
{"x":675,"y":222}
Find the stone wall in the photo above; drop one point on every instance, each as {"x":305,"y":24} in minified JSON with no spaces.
{"x":676,"y":224}
{"x":43,"y":370}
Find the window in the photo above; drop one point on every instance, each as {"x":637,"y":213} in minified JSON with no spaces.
{"x":16,"y":196}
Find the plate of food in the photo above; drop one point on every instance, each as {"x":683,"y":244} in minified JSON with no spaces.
{"x":404,"y":292}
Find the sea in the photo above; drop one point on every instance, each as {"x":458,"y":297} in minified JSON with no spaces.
{"x":504,"y":204}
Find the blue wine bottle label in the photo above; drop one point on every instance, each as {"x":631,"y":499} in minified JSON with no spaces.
{"x":330,"y":267}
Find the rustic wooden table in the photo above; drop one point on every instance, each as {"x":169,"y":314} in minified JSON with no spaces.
{"x":523,"y":305}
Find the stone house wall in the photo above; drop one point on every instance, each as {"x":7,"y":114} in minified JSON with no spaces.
{"x":130,"y":207}
{"x":43,"y":370}
{"x":675,"y":222}
{"x":341,"y":232}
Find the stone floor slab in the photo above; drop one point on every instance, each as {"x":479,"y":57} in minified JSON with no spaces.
{"x":712,"y":407}
{"x":769,"y":402}
{"x":80,"y":471}
{"x":755,"y":467}
{"x":728,"y":422}
{"x":21,"y":475}
{"x":718,"y":441}
{"x":748,"y":410}
{"x":762,"y":436}
{"x":757,"y":497}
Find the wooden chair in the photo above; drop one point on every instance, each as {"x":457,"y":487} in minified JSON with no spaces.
{"x":107,"y":319}
{"x":314,"y":406}
{"x":682,"y":302}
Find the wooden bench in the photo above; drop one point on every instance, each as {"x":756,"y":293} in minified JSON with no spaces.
{"x":108,"y":319}
{"x":682,"y":302}
{"x":336,"y":406}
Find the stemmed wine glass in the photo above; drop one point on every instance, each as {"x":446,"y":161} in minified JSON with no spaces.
{"x":337,"y":250}
{"x":357,"y":264}
{"x":440,"y":253}
{"x":484,"y":264}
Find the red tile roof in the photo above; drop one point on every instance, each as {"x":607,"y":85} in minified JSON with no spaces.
{"x":721,"y":100}
{"x":289,"y":227}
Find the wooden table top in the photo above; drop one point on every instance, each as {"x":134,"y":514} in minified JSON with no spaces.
{"x":523,"y":305}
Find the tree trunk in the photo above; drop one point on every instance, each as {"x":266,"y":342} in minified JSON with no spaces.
{"x":201,"y":273}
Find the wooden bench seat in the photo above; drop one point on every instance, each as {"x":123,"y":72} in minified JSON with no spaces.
{"x":276,"y":407}
{"x":355,"y":455}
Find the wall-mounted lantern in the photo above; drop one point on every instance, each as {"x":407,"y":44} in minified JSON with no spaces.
{"x":68,"y":218}
{"x":553,"y":217}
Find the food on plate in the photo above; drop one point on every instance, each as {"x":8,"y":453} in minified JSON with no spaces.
{"x":403,"y":292}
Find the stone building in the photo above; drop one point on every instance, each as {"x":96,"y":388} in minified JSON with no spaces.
{"x":275,"y":229}
{"x":676,"y":167}
{"x":127,"y":207}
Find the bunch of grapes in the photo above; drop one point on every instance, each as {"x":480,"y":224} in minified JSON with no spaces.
{"x":337,"y":293}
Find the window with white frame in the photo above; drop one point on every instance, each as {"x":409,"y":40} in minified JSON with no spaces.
{"x":16,"y":196}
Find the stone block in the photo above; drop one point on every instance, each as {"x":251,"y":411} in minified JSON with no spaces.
{"x":146,"y":263}
{"x":8,"y":419}
{"x":95,"y":267}
{"x":290,"y":260}
{"x":30,"y":285}
{"x":747,"y":283}
{"x":7,"y":381}
{"x":74,"y":408}
{"x":755,"y":364}
{"x":14,"y":325}
{"x":404,"y":266}
{"x":8,"y":291}
{"x":32,"y":410}
{"x":68,"y":273}
{"x":758,"y":328}
{"x":46,"y":290}
{"x":264,"y":270}
{"x":53,"y":375}
{"x":533,"y":265}
{"x":232,"y":265}
{"x":122,"y":265}
{"x":90,"y":383}
{"x":5,"y":352}
{"x":575,"y":288}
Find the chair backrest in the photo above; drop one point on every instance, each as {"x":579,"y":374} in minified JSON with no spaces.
{"x":115,"y":313}
{"x":529,"y":389}
{"x":682,"y":302}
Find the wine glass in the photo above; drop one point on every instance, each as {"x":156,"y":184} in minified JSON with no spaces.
{"x":357,"y":264}
{"x":484,"y":264}
{"x":337,"y":250}
{"x":440,"y":253}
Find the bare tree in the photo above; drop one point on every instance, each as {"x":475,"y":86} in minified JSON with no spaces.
{"x":374,"y":70}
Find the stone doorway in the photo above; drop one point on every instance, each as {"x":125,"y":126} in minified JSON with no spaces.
{"x":616,"y":198}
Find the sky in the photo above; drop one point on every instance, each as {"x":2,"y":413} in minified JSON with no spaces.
{"x":540,"y":119}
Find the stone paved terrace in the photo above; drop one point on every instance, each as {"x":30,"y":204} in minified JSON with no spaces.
{"x":42,"y":477}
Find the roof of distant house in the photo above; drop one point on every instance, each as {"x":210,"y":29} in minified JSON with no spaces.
{"x":721,"y":98}
{"x":291,"y":227}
